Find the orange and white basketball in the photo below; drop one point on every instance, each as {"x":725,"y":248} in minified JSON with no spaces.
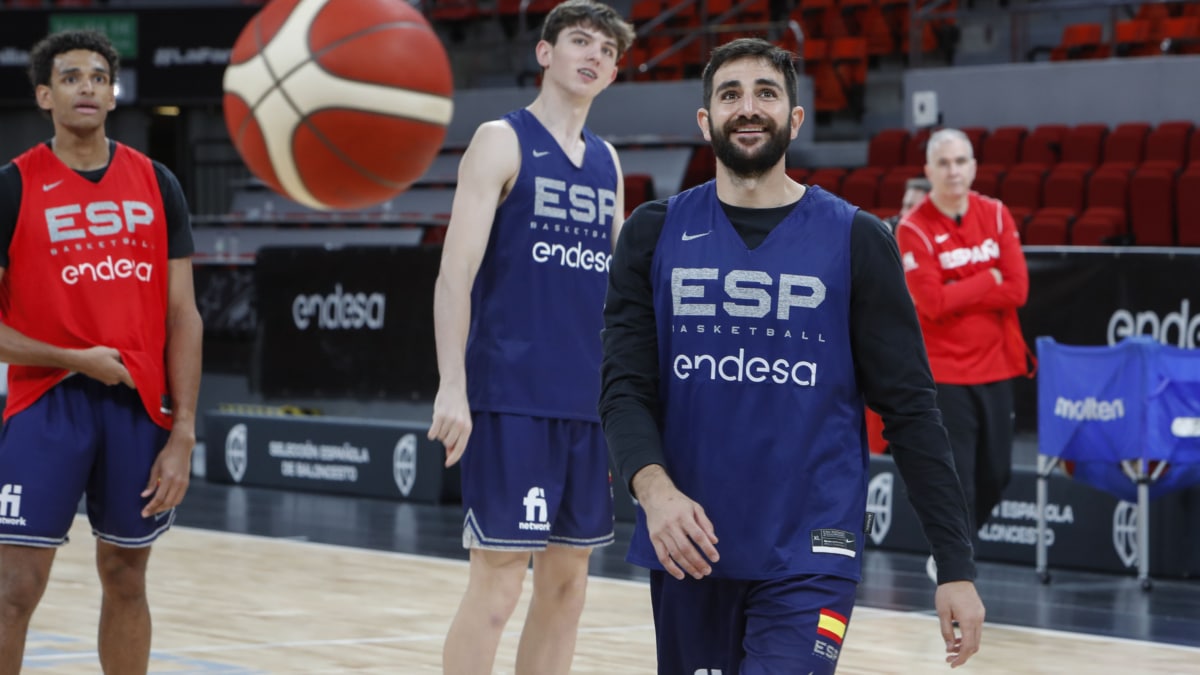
{"x":338,"y":104}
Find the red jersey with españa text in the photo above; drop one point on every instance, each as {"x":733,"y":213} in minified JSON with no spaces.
{"x":969,"y":321}
{"x":88,"y":267}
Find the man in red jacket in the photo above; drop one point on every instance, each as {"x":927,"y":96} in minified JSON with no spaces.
{"x":967,"y":276}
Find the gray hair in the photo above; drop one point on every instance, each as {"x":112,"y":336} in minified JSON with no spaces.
{"x":942,"y":136}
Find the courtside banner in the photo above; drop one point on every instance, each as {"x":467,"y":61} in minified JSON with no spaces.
{"x":347,"y":322}
{"x":361,"y":457}
{"x":1099,"y":296}
{"x":1085,"y":527}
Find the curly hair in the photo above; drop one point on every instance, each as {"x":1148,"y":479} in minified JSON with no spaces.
{"x":41,"y":57}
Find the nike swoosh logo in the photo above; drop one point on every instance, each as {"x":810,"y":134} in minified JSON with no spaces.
{"x":941,"y":237}
{"x":50,"y":186}
{"x":689,"y":237}
{"x":540,"y":153}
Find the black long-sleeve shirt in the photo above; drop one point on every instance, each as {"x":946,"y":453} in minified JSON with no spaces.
{"x":889,"y":358}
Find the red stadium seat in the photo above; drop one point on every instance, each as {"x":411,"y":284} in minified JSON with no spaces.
{"x":1043,"y":146}
{"x":1022,"y":189}
{"x":1002,"y":148}
{"x":1181,"y":35}
{"x":1082,"y":145}
{"x":1104,"y":219}
{"x":886,"y":148}
{"x":1167,"y":145}
{"x":798,"y":174}
{"x":1063,"y":188}
{"x":914,"y":152}
{"x":1134,"y":37}
{"x":1097,"y":226}
{"x":1081,"y":41}
{"x":639,"y":188}
{"x":987,"y":180}
{"x":1126,"y":144}
{"x":1048,"y":227}
{"x":861,"y":187}
{"x":891,"y":188}
{"x":1152,"y":206}
{"x":976,"y":135}
{"x":701,"y":167}
{"x":1188,"y":206}
{"x":828,"y":178}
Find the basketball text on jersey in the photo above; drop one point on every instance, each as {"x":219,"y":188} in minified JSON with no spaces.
{"x":90,"y":227}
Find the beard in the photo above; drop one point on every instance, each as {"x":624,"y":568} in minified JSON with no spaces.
{"x":750,"y":163}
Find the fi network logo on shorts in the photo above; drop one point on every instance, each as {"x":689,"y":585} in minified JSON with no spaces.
{"x":536,"y":517}
{"x":10,"y":505}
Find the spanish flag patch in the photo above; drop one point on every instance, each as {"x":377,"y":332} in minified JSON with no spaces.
{"x":831,"y":625}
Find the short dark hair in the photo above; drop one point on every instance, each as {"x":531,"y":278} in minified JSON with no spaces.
{"x":918,"y":183}
{"x":592,"y":14}
{"x":41,"y":57}
{"x":782,"y":59}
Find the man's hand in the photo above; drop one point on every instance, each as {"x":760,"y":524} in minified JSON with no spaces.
{"x":678,"y":527}
{"x":170,"y":475}
{"x":957,"y":601}
{"x":103,"y":364}
{"x":451,"y":422}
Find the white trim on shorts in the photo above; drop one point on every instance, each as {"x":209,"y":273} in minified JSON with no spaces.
{"x":136,"y":542}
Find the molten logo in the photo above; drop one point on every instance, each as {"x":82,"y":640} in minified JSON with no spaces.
{"x":1089,"y":409}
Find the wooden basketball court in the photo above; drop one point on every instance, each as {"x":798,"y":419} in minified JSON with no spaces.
{"x":236,"y":604}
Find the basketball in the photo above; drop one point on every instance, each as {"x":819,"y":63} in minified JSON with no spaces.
{"x":338,"y":104}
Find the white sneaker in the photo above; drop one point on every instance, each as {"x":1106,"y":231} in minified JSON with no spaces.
{"x":931,"y":569}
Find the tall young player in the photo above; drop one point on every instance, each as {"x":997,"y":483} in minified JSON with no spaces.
{"x":102,"y":333}
{"x":746,"y":321}
{"x":517,"y":309}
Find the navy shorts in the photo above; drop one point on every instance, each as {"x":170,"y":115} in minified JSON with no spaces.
{"x":81,"y":437}
{"x":532,"y":481}
{"x":790,"y":625}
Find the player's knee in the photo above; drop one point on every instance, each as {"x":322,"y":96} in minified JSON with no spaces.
{"x":567,"y":595}
{"x":563,"y":586}
{"x":20,"y":591}
{"x":122,"y":574}
{"x":500,"y":579}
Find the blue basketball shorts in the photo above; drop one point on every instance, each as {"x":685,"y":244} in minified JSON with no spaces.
{"x":81,"y":437}
{"x":789,"y":625}
{"x":532,"y":481}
